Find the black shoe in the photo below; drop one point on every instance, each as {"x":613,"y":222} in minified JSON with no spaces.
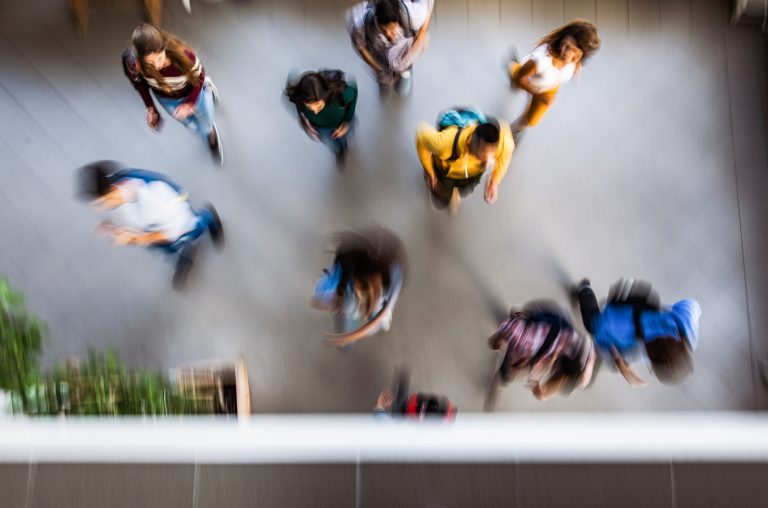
{"x":217,"y":151}
{"x":341,"y":158}
{"x":578,"y":288}
{"x":183,"y":266}
{"x":215,"y":228}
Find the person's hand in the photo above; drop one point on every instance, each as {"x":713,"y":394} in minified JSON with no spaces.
{"x":385,"y":400}
{"x":153,"y":118}
{"x":495,"y":342}
{"x":183,"y":111}
{"x":340,"y":131}
{"x":432,"y":180}
{"x":106,"y":227}
{"x":491,"y":192}
{"x":121,"y":237}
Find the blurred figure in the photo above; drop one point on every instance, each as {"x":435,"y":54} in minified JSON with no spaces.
{"x":390,"y":35}
{"x":456,"y":154}
{"x":541,"y":342}
{"x":556,"y":59}
{"x":148,"y":209}
{"x":362,"y":285}
{"x":161,"y":62}
{"x":633,"y":319}
{"x":400,"y":403}
{"x":325,"y":103}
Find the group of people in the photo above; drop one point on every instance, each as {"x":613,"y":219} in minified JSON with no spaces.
{"x":362,"y":284}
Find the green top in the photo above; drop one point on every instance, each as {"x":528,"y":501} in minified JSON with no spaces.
{"x":335,"y":112}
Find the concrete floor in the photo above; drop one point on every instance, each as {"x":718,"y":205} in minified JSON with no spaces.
{"x":653,"y":165}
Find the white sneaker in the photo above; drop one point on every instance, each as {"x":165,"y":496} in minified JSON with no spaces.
{"x":386,"y":322}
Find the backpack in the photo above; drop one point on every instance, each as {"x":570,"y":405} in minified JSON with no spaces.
{"x":459,"y":117}
{"x":327,"y":285}
{"x":421,"y":405}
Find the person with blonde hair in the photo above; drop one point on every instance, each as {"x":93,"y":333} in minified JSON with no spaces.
{"x":166,"y":65}
{"x":557,"y":58}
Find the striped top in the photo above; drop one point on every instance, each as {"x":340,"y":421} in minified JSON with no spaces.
{"x":176,"y":84}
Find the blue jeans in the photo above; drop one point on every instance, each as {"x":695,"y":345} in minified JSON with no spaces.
{"x":204,"y":221}
{"x":201,"y":121}
{"x":337,"y":145}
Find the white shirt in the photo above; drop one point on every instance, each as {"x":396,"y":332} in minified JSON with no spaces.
{"x":154,"y":207}
{"x":547,"y":77}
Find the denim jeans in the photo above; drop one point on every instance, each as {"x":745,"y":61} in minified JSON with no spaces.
{"x":201,"y":121}
{"x":204,"y":221}
{"x":337,"y":145}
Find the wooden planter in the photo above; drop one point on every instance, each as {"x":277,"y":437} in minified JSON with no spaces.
{"x":221,"y":384}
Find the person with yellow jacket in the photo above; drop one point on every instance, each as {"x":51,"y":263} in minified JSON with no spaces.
{"x":459,"y":151}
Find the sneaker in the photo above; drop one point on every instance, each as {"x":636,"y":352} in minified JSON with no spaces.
{"x":217,"y":151}
{"x":341,"y":158}
{"x":215,"y":228}
{"x":577,"y":288}
{"x":386,"y":323}
{"x":214,"y":90}
{"x":453,"y":205}
{"x":183,"y":266}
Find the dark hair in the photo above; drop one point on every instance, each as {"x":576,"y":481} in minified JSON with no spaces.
{"x":386,"y":12}
{"x":147,"y":39}
{"x":671,"y":360}
{"x":487,"y":132}
{"x":96,"y":179}
{"x":316,"y":86}
{"x":582,"y":32}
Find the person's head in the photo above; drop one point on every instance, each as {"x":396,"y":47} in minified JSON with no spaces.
{"x":671,"y":359}
{"x":315,"y":89}
{"x":387,"y":14}
{"x":97,"y":184}
{"x":573,"y":42}
{"x":485,"y":141}
{"x":156,"y":49}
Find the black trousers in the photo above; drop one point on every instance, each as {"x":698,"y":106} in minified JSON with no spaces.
{"x":441,"y":196}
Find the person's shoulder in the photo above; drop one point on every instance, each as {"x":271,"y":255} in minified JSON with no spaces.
{"x":190,"y":53}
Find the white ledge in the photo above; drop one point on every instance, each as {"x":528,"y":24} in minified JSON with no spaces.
{"x":551,"y":437}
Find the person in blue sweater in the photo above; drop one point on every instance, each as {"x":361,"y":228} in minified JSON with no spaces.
{"x":633,"y":321}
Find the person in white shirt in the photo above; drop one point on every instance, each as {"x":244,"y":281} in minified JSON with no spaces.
{"x":557,"y":58}
{"x":146,"y":208}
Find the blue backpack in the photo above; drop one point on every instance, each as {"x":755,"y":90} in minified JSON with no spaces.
{"x":328,"y":283}
{"x":459,"y":117}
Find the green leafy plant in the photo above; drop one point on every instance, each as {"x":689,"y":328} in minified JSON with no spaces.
{"x":21,"y":339}
{"x":104,"y":386}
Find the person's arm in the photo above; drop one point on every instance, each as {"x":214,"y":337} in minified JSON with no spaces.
{"x":198,"y":71}
{"x":429,"y":142}
{"x":522,"y":79}
{"x":306,"y":125}
{"x":421,"y":36}
{"x":383,"y":409}
{"x":550,"y":387}
{"x":503,"y":158}
{"x":131,"y":71}
{"x":123,"y":236}
{"x":350,"y":96}
{"x":628,"y":372}
{"x":368,"y":58}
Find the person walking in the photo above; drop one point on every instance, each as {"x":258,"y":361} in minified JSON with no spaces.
{"x":540,"y":341}
{"x":455,"y":156}
{"x":148,"y":209}
{"x":557,"y":58}
{"x":401,"y":403}
{"x":325,"y":103}
{"x":362,"y":286}
{"x":165,"y":65}
{"x":633,"y":320}
{"x":390,"y":35}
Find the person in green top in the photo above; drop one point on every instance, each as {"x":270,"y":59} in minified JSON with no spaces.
{"x":325,"y":102}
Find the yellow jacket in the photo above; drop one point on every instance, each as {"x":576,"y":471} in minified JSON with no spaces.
{"x":431,"y":142}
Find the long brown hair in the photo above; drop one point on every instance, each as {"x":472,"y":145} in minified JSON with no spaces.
{"x":581,"y":31}
{"x":147,"y":39}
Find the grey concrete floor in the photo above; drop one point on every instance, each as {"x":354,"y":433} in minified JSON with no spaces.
{"x":653,"y":165}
